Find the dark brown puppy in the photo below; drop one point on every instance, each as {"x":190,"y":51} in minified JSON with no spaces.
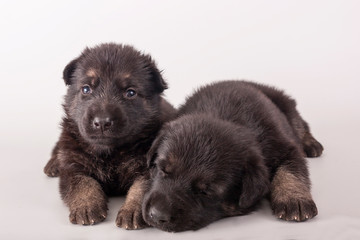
{"x":233,"y":143}
{"x":113,"y":111}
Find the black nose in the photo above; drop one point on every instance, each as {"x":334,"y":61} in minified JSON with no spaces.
{"x":159,"y":216}
{"x":102,"y":123}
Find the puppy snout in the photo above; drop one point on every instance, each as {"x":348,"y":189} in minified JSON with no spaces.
{"x":103,"y":123}
{"x":159,"y":215}
{"x":103,"y":118}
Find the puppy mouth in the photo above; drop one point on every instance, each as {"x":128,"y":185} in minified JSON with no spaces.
{"x":102,"y":140}
{"x":175,"y":227}
{"x":186,"y":223}
{"x":164,"y":227}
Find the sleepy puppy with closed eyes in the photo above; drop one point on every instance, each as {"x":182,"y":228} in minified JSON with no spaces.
{"x":233,"y":143}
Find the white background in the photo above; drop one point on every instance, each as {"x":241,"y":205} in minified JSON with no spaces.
{"x":311,"y":49}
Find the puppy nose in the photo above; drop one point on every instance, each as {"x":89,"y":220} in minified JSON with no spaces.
{"x":103,"y":123}
{"x":159,"y":216}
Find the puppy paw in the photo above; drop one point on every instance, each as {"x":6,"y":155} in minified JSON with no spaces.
{"x":88,"y":215}
{"x":311,"y":146}
{"x":52,"y":168}
{"x":295,"y":210}
{"x":130,"y":218}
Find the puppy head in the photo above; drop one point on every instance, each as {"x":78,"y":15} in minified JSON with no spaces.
{"x":202,"y":169}
{"x":113,"y":94}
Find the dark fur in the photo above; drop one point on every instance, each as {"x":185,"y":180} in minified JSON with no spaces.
{"x":107,"y":132}
{"x":232,"y":144}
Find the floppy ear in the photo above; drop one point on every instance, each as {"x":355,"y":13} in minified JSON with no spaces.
{"x":156,"y":77}
{"x":153,"y":151}
{"x":69,"y":71}
{"x":255,"y":182}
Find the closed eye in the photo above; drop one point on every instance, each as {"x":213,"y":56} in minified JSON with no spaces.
{"x":203,"y":192}
{"x":164,"y":172}
{"x":202,"y":189}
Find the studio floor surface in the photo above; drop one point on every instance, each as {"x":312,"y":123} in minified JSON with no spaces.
{"x":31,"y":207}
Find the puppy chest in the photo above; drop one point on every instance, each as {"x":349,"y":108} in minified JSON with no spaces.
{"x":119,"y":174}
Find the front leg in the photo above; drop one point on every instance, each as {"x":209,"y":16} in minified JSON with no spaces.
{"x":130,"y":214}
{"x":291,"y":199}
{"x":52,"y":167}
{"x":84,"y":197}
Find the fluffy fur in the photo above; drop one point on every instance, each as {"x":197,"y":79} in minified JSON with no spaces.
{"x":113,"y":111}
{"x":233,"y":143}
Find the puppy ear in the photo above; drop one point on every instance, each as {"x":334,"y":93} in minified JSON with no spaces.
{"x":69,"y":71}
{"x":156,"y":77}
{"x":153,"y":151}
{"x":255,"y":182}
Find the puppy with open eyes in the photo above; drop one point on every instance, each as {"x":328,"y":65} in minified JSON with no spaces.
{"x":233,"y":143}
{"x":113,"y":111}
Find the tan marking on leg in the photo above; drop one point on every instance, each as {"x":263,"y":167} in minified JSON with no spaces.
{"x":130,"y":214}
{"x":291,"y":198}
{"x":86,"y":200}
{"x":61,"y":156}
{"x":85,"y":193}
{"x":286,"y":186}
{"x":135,"y":193}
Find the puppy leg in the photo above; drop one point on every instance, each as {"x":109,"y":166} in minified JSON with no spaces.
{"x":287,"y":105}
{"x":52,"y":167}
{"x":85,"y":198}
{"x":130,"y":214}
{"x":311,"y":146}
{"x":291,"y":199}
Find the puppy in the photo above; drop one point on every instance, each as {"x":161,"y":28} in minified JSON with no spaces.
{"x":233,"y":143}
{"x":113,"y":111}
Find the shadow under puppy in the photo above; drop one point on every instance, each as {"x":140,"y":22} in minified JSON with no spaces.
{"x":113,"y":111}
{"x":232,"y":144}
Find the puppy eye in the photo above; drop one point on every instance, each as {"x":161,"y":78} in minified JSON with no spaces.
{"x":86,"y":89}
{"x":201,"y":190}
{"x":130,"y":93}
{"x":163,"y":172}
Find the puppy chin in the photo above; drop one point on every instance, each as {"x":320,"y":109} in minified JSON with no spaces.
{"x":100,"y":144}
{"x":102,"y":141}
{"x":165,"y":227}
{"x":103,"y":150}
{"x":176,"y":227}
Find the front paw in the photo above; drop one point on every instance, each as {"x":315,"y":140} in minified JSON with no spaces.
{"x":88,"y":215}
{"x":295,"y":210}
{"x":52,"y":168}
{"x":130,"y":218}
